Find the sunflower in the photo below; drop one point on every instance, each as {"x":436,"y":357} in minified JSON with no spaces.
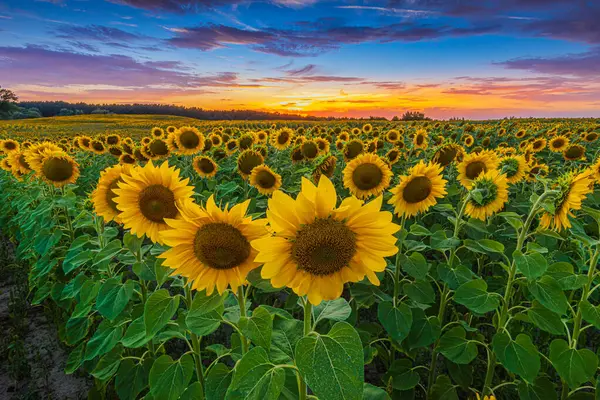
{"x":392,"y":156}
{"x":115,"y":151}
{"x":352,"y":149}
{"x":343,"y":136}
{"x":356,"y":131}
{"x":296,"y":154}
{"x":84,"y":142}
{"x":146,"y":140}
{"x":468,"y":140}
{"x":392,"y":136}
{"x":323,"y":145}
{"x":19,"y":163}
{"x":573,"y":188}
{"x":139,"y":155}
{"x":339,"y":144}
{"x":316,"y":247}
{"x":157,"y":132}
{"x":265,"y":180}
{"x":97,"y":146}
{"x":216,"y":139}
{"x":127,"y":159}
{"x":103,"y":197}
{"x":420,"y":139}
{"x":282,"y":138}
{"x":246,"y":141}
{"x":520,"y":134}
{"x":189,"y":140}
{"x":596,"y":169}
{"x":325,"y":165}
{"x":148,"y":196}
{"x":231,"y":146}
{"x":10,"y":145}
{"x":205,"y":166}
{"x":574,"y":152}
{"x":492,"y":189}
{"x":559,"y":143}
{"x":58,"y":169}
{"x":514,"y":167}
{"x":473,"y":165}
{"x":418,"y":191}
{"x":262,"y":137}
{"x":367,"y":175}
{"x":210,"y":246}
{"x":157,"y":149}
{"x":538,"y":145}
{"x":113,"y":139}
{"x":537,"y":170}
{"x":589,"y":137}
{"x":310,"y":150}
{"x":171,"y":129}
{"x":247,"y":160}
{"x":448,"y":153}
{"x":5,"y":164}
{"x":367,"y":128}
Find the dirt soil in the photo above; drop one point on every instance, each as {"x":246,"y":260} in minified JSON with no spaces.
{"x":32,"y":358}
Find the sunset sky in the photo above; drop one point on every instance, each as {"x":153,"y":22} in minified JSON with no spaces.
{"x":449,"y":58}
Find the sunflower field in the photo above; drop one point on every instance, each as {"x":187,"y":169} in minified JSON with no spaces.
{"x":336,"y":260}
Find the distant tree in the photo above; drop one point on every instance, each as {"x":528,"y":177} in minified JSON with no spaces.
{"x":100,"y":111}
{"x":414,"y":116}
{"x":8,"y":103}
{"x":65,"y":112}
{"x":395,"y":118}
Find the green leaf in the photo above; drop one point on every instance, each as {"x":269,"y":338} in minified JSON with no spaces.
{"x":204,"y":317}
{"x":75,"y":359}
{"x":416,"y":265}
{"x":548,"y":292}
{"x":193,"y":392}
{"x":514,"y":219}
{"x":108,"y":364}
{"x":256,"y":378}
{"x":104,"y":340}
{"x":420,"y":292}
{"x":335,"y":310}
{"x":168,"y":378}
{"x":454,"y":277}
{"x":332,"y":364}
{"x":76,"y":329}
{"x":519,"y":356}
{"x":76,"y":256}
{"x":590,"y":313}
{"x":135,"y":335}
{"x":109,"y":252}
{"x":371,"y":392}
{"x":531,"y":265}
{"x":565,"y":276}
{"x":545,"y":319}
{"x":132,"y":242}
{"x":217,"y":382}
{"x":144,"y":271}
{"x":132,"y":378}
{"x":484,"y":246}
{"x":401,"y":375}
{"x":475,"y":297}
{"x":542,"y":389}
{"x":158,"y":310}
{"x":460,"y":373}
{"x":574,"y":366}
{"x":424,"y":330}
{"x":443,"y":389}
{"x":286,"y":334}
{"x":396,"y":320}
{"x":455,"y":346}
{"x":113,"y":297}
{"x":258,"y":328}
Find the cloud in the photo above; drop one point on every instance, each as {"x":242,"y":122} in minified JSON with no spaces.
{"x":97,"y":33}
{"x":83,"y":46}
{"x":183,"y":6}
{"x":582,"y":64}
{"x":306,"y":70}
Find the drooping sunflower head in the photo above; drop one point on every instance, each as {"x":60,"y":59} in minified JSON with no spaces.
{"x":448,"y":153}
{"x":158,"y":148}
{"x":559,"y":143}
{"x":574,"y":152}
{"x":296,"y":154}
{"x":215,"y":244}
{"x":317,"y":247}
{"x":573,"y":188}
{"x":265,"y":180}
{"x":127,"y":148}
{"x":473,"y":165}
{"x":537,"y":170}
{"x":157,"y":132}
{"x":208,"y":144}
{"x":139,"y":155}
{"x":10,"y":145}
{"x":514,"y":167}
{"x":148,"y":196}
{"x":205,"y":166}
{"x":310,"y":149}
{"x":19,"y":163}
{"x":352,"y":149}
{"x":488,"y":195}
{"x":246,"y":141}
{"x":262,"y":149}
{"x":97,"y":146}
{"x":418,"y":191}
{"x":127,"y":159}
{"x":5,"y":164}
{"x":189,"y":140}
{"x":324,"y":165}
{"x":103,"y":197}
{"x":367,"y":175}
{"x":246,"y":162}
{"x":420,"y":141}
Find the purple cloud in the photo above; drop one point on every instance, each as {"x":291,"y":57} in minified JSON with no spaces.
{"x":96,"y":33}
{"x":583,"y":64}
{"x":306,"y":70}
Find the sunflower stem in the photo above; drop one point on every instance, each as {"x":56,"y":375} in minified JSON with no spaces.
{"x":197,"y":353}
{"x":302,"y":388}
{"x":242,"y":303}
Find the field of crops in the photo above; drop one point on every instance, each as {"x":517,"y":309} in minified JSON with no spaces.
{"x":345,"y":260}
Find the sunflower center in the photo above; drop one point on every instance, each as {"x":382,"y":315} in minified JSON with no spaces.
{"x":367,"y":176}
{"x":446,"y":156}
{"x":189,"y":139}
{"x":221,"y":246}
{"x":283,"y":137}
{"x":247,"y":162}
{"x":112,"y":140}
{"x":474,"y":169}
{"x":10,"y":145}
{"x":324,"y":247}
{"x":574,"y":152}
{"x":353,"y":149}
{"x":157,"y":203}
{"x":417,"y":190}
{"x":310,"y":150}
{"x":246,"y":142}
{"x":57,"y":169}
{"x":110,"y":195}
{"x":159,"y":147}
{"x":420,"y":139}
{"x":206,"y":166}
{"x":558,"y":143}
{"x":98,"y":146}
{"x":265,"y":179}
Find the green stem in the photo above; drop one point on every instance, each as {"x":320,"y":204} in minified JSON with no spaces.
{"x":195,"y":344}
{"x":302,"y":388}
{"x":584,"y":296}
{"x":242,"y":303}
{"x":397,"y":270}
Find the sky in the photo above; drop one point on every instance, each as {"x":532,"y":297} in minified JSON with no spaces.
{"x":475,"y":59}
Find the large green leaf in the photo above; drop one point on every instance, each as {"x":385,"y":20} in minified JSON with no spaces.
{"x":424,"y":330}
{"x":590,"y":313}
{"x":168,"y":378}
{"x":371,"y":392}
{"x":109,"y":251}
{"x":332,"y":364}
{"x":286,"y":334}
{"x":566,"y":277}
{"x":401,"y":375}
{"x":258,"y":328}
{"x":531,"y":265}
{"x":75,"y":358}
{"x":396,"y":320}
{"x":335,"y":310}
{"x":443,"y":389}
{"x":113,"y":297}
{"x":135,"y":335}
{"x":455,"y":346}
{"x":574,"y":366}
{"x":519,"y":356}
{"x":76,"y":329}
{"x":158,"y":310}
{"x":104,"y":340}
{"x":217,"y":382}
{"x":204,"y":317}
{"x":415,"y":265}
{"x":419,"y":291}
{"x":256,"y":378}
{"x":475,"y":297}
{"x":542,"y":389}
{"x":132,"y":378}
{"x":545,"y":319}
{"x":548,"y":292}
{"x":108,"y":364}
{"x":454,"y":277}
